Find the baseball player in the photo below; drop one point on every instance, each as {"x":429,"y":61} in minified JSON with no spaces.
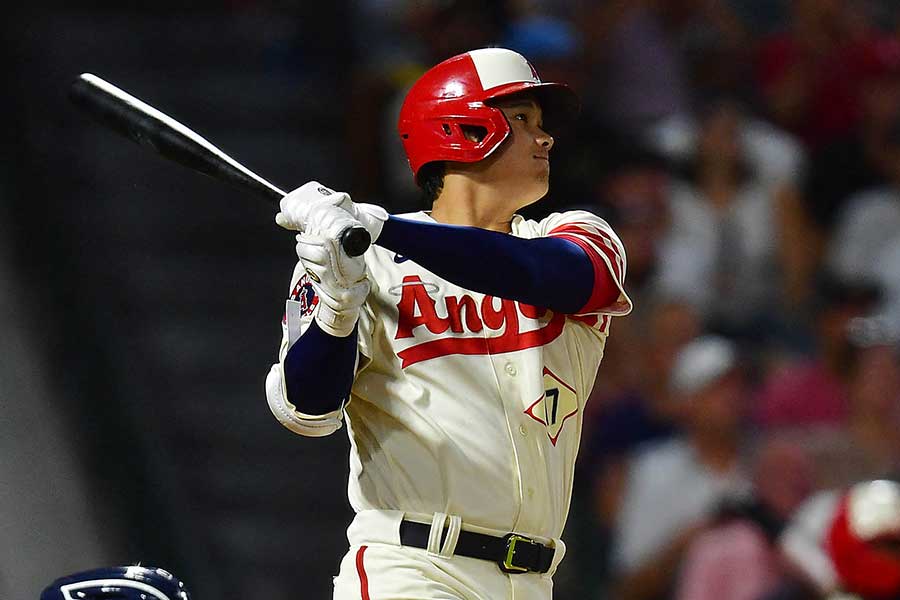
{"x":460,"y":349}
{"x":117,"y":583}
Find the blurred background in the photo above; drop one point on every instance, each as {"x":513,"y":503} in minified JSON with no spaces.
{"x":746,"y":151}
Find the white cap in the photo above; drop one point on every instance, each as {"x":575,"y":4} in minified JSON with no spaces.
{"x":701,"y":362}
{"x":873,"y":509}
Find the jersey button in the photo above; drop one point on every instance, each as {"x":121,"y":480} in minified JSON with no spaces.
{"x":523,"y":431}
{"x":511,"y":369}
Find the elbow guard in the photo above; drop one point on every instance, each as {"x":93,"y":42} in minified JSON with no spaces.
{"x":287,"y":414}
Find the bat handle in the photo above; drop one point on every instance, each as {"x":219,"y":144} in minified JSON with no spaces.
{"x":355,"y":241}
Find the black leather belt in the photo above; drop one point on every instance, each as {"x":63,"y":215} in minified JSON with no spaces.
{"x":513,"y":553}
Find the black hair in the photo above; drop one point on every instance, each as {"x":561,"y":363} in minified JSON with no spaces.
{"x":431,"y":180}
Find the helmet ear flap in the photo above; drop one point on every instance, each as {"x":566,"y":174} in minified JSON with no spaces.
{"x":469,"y":134}
{"x":474,"y":133}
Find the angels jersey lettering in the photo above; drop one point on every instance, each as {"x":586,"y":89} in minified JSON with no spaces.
{"x":464,"y":315}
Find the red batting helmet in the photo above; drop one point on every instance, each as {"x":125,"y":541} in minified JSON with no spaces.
{"x":457,"y":93}
{"x":868,"y":514}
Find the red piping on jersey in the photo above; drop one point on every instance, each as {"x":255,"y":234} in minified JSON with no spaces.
{"x":361,"y":571}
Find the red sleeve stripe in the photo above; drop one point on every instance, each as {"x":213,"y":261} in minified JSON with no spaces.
{"x":585,"y":229}
{"x":615,"y":261}
{"x":603,"y":239}
{"x":605,"y":276}
{"x":598,"y":237}
{"x":597,"y":254}
{"x":594,"y":245}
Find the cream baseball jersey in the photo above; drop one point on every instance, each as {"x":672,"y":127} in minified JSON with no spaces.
{"x":464,"y":403}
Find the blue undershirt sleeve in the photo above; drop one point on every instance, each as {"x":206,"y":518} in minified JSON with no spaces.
{"x":319,"y":370}
{"x":546,"y":272}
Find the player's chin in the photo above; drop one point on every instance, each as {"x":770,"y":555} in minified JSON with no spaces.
{"x":542,"y":182}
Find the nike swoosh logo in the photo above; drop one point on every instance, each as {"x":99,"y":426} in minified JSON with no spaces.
{"x":400,"y":259}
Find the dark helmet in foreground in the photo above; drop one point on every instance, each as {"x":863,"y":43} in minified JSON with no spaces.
{"x":117,"y":583}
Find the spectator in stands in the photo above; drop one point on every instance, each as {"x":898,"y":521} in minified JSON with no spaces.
{"x":811,"y":390}
{"x":858,"y":160}
{"x":737,"y":558}
{"x":810,"y":72}
{"x":869,"y":444}
{"x":720,"y":252}
{"x":637,"y":50}
{"x":842,"y":543}
{"x":691,"y":473}
{"x":862,"y":158}
{"x":869,"y":226}
{"x":619,"y":422}
{"x":864,"y":540}
{"x":863,"y":442}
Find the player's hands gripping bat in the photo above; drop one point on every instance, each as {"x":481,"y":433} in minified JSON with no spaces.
{"x":152,"y":129}
{"x":299,"y":204}
{"x":340,"y":281}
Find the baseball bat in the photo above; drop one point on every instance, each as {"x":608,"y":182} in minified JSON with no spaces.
{"x":148,"y":127}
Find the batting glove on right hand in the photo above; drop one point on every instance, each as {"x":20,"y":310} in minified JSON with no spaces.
{"x":339,"y":280}
{"x":296,"y":206}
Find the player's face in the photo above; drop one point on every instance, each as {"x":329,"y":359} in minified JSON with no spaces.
{"x":521,"y":165}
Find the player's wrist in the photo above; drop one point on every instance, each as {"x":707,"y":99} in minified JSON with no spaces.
{"x":337,"y":322}
{"x":372,"y":217}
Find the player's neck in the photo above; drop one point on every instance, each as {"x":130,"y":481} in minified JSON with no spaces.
{"x":464,"y":202}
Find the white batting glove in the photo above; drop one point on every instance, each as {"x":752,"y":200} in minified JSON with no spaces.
{"x":339,"y":280}
{"x":296,"y":206}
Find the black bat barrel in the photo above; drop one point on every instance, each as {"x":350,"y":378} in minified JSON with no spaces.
{"x":148,"y":127}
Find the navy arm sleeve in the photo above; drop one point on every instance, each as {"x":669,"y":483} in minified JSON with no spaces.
{"x":319,"y":370}
{"x":547,"y":272}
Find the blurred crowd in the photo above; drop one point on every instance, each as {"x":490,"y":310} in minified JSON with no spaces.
{"x":748,"y":155}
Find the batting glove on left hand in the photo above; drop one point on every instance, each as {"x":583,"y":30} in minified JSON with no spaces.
{"x":296,"y":206}
{"x":339,"y":280}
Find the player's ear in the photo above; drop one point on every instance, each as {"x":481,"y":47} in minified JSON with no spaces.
{"x":474,"y":133}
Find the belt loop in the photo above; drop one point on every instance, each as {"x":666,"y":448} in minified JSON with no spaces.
{"x":559,"y":551}
{"x":435,"y":534}
{"x":452,"y":536}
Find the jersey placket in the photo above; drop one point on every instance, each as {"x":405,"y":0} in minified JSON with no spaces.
{"x":511,"y":373}
{"x":505,"y":380}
